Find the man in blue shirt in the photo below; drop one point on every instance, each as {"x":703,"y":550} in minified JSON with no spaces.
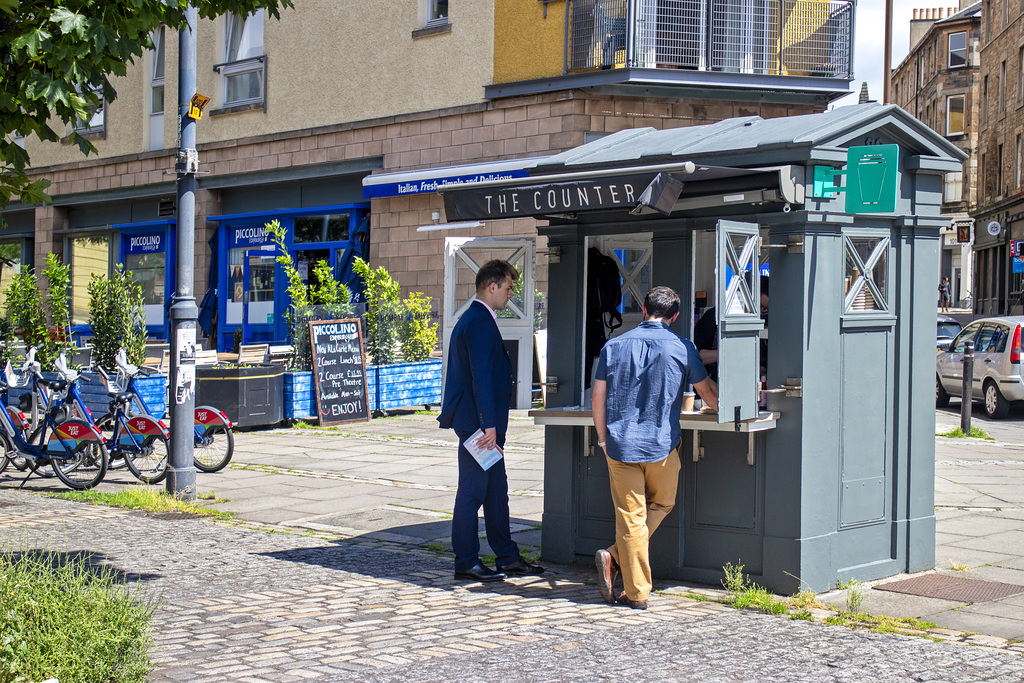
{"x":638,"y":395}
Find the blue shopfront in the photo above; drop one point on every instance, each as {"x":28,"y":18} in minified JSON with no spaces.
{"x":147,"y":251}
{"x":253,"y":288}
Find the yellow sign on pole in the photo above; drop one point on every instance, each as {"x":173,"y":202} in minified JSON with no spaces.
{"x":196,"y":106}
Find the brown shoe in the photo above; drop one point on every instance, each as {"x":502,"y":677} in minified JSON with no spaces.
{"x":607,"y":569}
{"x":635,"y":604}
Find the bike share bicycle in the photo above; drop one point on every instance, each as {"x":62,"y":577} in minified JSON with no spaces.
{"x":140,"y":440}
{"x":73,"y":448}
{"x":214,"y":439}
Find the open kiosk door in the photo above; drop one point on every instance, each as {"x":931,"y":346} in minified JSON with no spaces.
{"x":463,"y":258}
{"x":739,"y":320}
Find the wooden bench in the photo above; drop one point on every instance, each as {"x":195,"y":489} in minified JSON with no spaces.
{"x":252,"y":354}
{"x":206,"y":357}
{"x":280,"y":354}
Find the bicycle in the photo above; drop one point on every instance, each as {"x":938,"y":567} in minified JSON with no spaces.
{"x":214,"y":437}
{"x":73,"y":448}
{"x":140,"y":440}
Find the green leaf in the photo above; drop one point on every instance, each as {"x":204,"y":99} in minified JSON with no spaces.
{"x":70,"y":22}
{"x":9,"y":6}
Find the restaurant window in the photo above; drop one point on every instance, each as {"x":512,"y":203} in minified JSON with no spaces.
{"x":866,"y":285}
{"x":243,"y":69}
{"x":957,"y":49}
{"x":955,"y":115}
{"x":90,"y":256}
{"x":323,"y":228}
{"x":148,"y":270}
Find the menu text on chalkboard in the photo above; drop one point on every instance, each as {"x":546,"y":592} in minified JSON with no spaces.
{"x":339,"y":370}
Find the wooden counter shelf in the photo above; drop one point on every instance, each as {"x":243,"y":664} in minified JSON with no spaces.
{"x":695,"y":422}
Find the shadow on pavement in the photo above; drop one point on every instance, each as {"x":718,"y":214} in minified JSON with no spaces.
{"x":94,"y":565}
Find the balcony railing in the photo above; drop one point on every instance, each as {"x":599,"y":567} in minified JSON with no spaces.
{"x":772,"y":37}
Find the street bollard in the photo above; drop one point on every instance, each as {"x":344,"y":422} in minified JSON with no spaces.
{"x":966,"y":390}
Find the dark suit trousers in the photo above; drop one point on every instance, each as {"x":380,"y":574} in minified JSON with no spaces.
{"x":489,"y":489}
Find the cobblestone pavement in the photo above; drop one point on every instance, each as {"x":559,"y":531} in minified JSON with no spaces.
{"x":242,"y":604}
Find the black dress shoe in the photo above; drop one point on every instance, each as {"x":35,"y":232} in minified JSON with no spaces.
{"x":479,"y":572}
{"x":522,"y":568}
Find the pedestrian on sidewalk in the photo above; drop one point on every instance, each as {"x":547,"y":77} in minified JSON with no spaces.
{"x":477,"y":396}
{"x":638,"y":395}
{"x":944,"y":295}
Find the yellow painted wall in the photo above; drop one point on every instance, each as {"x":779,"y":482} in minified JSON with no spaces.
{"x":330,"y":62}
{"x":526,"y":44}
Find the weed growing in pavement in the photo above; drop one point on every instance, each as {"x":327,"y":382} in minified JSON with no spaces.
{"x":744,"y":593}
{"x":439,"y":547}
{"x":958,"y":566}
{"x":880,"y":624}
{"x":146,"y":498}
{"x":803,"y":615}
{"x":976,"y":433}
{"x":63,"y":618}
{"x":854,"y":594}
{"x":806,"y":599}
{"x":697,"y":597}
{"x":427,"y":412}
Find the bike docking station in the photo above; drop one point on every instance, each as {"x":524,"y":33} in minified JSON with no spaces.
{"x":820,"y":461}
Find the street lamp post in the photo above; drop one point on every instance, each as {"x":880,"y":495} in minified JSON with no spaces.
{"x":181,"y":472}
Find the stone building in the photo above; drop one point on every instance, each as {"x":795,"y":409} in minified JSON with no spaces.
{"x":999,"y":217}
{"x":304,"y":108}
{"x":939,"y":83}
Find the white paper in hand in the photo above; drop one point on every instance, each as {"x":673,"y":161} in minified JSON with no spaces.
{"x":485,"y":456}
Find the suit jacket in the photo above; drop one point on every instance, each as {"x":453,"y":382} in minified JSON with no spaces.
{"x":479,"y":381}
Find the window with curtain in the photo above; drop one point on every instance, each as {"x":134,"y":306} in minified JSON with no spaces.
{"x":243,"y":47}
{"x":953,"y":188}
{"x":89,"y":256}
{"x":437,"y":12}
{"x":955,"y":115}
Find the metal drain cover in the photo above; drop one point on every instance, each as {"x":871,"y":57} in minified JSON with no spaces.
{"x":955,"y":588}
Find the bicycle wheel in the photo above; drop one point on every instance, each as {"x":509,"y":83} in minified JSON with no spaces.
{"x":77,"y":454}
{"x":214,"y":447}
{"x":5,"y":452}
{"x":116,"y":458}
{"x":142,"y":442}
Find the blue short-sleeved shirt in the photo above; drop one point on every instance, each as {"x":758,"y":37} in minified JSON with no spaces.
{"x":646,"y":370}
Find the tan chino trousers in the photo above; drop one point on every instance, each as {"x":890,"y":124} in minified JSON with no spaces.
{"x":643,"y":494}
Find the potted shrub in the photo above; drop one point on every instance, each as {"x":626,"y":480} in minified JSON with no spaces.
{"x":324,"y":299}
{"x":393,"y":324}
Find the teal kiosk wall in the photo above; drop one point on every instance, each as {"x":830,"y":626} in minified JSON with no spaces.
{"x":834,"y":477}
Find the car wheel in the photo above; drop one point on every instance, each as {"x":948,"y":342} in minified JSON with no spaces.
{"x":995,"y":405}
{"x":941,"y":397}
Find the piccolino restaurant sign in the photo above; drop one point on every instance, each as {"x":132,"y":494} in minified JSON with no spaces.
{"x":247,"y":236}
{"x":598,"y":194}
{"x":147,"y":243}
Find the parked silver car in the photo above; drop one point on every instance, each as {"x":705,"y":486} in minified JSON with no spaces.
{"x":946,"y":329}
{"x":997,"y":376}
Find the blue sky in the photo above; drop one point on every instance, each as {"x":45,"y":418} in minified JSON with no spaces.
{"x":869,"y":42}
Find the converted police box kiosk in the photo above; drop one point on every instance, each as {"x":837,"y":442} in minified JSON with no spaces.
{"x":833,"y":475}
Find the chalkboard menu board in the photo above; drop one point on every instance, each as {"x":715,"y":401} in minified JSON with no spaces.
{"x":339,"y":370}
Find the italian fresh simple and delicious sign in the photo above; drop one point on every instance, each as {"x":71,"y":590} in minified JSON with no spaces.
{"x":339,"y":371}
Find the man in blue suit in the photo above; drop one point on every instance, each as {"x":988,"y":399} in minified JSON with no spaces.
{"x":477,"y":395}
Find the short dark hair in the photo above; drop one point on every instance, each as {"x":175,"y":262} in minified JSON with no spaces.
{"x":495,"y":271}
{"x":661,"y":302}
{"x":764,"y":285}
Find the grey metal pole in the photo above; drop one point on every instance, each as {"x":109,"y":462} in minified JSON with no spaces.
{"x":967,"y":388}
{"x":181,"y":473}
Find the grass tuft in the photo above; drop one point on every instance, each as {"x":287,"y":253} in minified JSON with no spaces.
{"x":147,"y":498}
{"x":63,"y":618}
{"x":744,"y":593}
{"x":976,"y":433}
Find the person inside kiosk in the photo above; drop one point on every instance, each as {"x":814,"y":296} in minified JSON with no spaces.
{"x":705,"y":335}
